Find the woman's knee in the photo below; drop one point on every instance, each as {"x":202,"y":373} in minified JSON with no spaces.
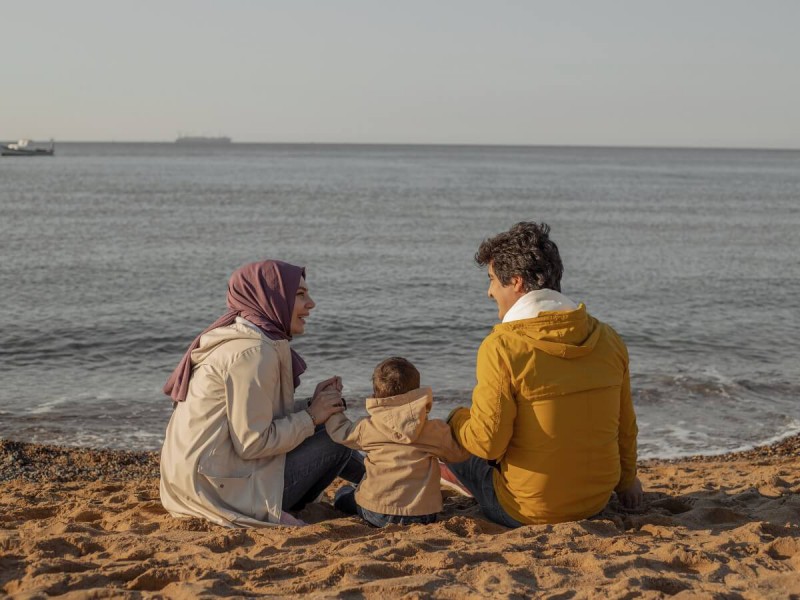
{"x":344,"y":454}
{"x":331,"y":448}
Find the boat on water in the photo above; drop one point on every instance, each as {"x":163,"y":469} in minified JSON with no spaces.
{"x":27,"y":148}
{"x":200,"y":139}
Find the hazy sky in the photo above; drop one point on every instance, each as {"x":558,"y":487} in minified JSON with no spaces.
{"x":676,"y":73}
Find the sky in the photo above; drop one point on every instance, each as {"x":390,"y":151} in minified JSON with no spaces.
{"x":699,"y":73}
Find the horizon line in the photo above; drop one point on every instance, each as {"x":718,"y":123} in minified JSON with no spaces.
{"x":453,"y":144}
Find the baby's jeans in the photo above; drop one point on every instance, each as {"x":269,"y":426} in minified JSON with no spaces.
{"x":345,"y":501}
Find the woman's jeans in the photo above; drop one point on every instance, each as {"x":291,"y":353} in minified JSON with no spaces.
{"x":345,"y":501}
{"x":312,"y":467}
{"x":477,"y":475}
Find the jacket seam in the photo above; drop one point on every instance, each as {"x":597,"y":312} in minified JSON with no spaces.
{"x":504,"y":382}
{"x":536,"y":397}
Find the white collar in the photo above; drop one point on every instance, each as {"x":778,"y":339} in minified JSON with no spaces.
{"x":538,"y":301}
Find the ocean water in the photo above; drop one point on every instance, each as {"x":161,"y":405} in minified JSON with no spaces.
{"x":116,"y":255}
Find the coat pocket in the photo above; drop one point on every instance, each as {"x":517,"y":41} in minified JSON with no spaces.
{"x":232,"y":493}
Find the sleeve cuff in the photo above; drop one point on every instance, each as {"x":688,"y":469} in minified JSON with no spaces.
{"x":308,"y":422}
{"x":453,"y":413}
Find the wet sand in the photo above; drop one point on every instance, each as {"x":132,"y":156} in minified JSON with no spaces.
{"x":89,"y":524}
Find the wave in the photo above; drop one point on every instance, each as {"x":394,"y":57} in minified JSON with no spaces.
{"x":82,"y":346}
{"x":658,"y":389}
{"x":684,"y":443}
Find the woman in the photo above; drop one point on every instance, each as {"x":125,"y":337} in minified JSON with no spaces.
{"x":238,"y":450}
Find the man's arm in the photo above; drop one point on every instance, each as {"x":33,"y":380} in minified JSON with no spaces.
{"x":485,"y":429}
{"x":629,"y":488}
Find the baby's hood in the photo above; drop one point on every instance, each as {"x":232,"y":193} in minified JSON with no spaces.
{"x":401,"y":418}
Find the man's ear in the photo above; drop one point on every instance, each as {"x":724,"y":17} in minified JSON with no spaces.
{"x":516,"y":282}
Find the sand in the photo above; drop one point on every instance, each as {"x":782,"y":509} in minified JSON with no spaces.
{"x":89,"y":524}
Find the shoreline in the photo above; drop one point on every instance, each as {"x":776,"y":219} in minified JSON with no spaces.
{"x":66,"y":463}
{"x":89,"y":523}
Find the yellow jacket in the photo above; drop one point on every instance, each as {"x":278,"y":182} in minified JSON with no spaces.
{"x":552,"y":406}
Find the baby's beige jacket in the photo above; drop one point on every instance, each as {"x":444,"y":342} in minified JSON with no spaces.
{"x":402,"y":448}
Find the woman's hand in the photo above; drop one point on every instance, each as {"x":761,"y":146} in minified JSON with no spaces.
{"x":334,"y":383}
{"x":326,"y":403}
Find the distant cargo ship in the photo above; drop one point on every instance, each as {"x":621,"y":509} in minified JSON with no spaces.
{"x":27,"y":148}
{"x":199,"y":139}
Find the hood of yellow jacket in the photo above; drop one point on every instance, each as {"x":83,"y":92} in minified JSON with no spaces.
{"x":567,"y":334}
{"x":401,"y":418}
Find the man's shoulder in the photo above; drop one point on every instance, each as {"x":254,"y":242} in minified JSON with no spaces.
{"x":500,"y":345}
{"x":608,"y":330}
{"x":496,"y":337}
{"x":611,"y":338}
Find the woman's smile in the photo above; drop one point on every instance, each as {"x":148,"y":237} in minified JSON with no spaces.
{"x":303,"y":304}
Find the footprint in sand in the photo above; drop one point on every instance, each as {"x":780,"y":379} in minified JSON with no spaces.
{"x":601,"y":527}
{"x":719,"y":516}
{"x":154,"y":508}
{"x":60,"y":565}
{"x":674,"y":506}
{"x":228,"y":541}
{"x":783,"y":548}
{"x":110,"y":488}
{"x":775,"y":530}
{"x":464,"y":527}
{"x":87,"y":516}
{"x":32,"y":513}
{"x":402,"y":551}
{"x":56,"y":546}
{"x":154,"y":580}
{"x":665,"y":585}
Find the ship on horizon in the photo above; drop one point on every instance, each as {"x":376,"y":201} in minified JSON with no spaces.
{"x":27,"y":148}
{"x":201,"y":139}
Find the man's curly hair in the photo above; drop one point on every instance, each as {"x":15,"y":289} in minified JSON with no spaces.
{"x":525,"y":250}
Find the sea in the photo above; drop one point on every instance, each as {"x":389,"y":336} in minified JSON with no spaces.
{"x":115,"y":255}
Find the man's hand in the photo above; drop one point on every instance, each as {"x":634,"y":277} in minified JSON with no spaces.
{"x":632,"y":497}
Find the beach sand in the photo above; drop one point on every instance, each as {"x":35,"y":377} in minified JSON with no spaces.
{"x":83,"y":523}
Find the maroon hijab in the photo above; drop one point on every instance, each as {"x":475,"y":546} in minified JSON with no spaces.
{"x":263,"y":293}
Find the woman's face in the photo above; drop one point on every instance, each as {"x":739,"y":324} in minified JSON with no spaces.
{"x":302,"y":308}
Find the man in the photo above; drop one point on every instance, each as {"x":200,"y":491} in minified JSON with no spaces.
{"x":551,"y":427}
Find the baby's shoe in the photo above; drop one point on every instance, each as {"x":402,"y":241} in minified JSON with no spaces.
{"x":450,"y":482}
{"x":345,"y":500}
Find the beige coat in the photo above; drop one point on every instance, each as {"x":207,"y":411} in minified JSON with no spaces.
{"x":223,"y":454}
{"x":402,"y":446}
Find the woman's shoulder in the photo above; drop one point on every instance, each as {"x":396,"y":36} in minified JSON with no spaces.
{"x":223,"y":346}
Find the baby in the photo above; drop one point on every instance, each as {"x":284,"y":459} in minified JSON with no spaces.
{"x":402,"y":446}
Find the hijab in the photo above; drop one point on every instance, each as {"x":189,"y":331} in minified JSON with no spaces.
{"x":264,"y":293}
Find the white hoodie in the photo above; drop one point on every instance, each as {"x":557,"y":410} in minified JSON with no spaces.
{"x":538,"y":301}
